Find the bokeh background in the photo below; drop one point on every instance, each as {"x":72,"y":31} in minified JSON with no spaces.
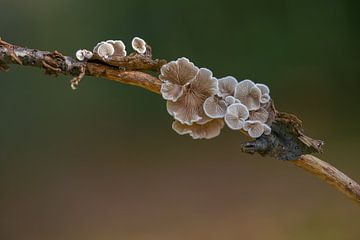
{"x":103,"y":163}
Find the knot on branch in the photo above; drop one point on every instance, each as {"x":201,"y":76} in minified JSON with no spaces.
{"x":287,"y":140}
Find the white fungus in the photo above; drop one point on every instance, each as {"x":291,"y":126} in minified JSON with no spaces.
{"x":206,"y":131}
{"x":188,"y":108}
{"x":227,"y":86}
{"x":265,"y":93}
{"x":215,"y":107}
{"x":104,"y":49}
{"x":139,"y":45}
{"x":248,"y":94}
{"x":231,"y":100}
{"x":119,"y":48}
{"x":202,"y":104}
{"x":83,"y":54}
{"x":259,"y":115}
{"x":175,"y":75}
{"x":256,"y":128}
{"x":236,"y":115}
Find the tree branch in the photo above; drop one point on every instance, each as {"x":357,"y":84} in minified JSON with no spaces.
{"x":331,"y":175}
{"x":287,"y":140}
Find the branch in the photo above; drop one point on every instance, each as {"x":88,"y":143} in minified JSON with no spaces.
{"x":331,"y":175}
{"x":287,"y":140}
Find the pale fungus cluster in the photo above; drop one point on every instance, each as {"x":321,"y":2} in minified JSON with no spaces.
{"x":111,"y":49}
{"x":202,"y":104}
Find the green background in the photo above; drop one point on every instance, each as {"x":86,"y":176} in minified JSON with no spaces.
{"x":102,"y":162}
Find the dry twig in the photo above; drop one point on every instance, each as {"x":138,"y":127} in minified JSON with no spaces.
{"x":287,"y":140}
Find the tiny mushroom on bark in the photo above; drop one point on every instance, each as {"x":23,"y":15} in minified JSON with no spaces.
{"x":236,"y":115}
{"x":256,"y":128}
{"x":208,"y":130}
{"x":175,"y":75}
{"x":248,"y":94}
{"x":119,"y":48}
{"x":231,"y":100}
{"x":259,"y":115}
{"x":265,"y":93}
{"x":83,"y":54}
{"x":104,"y":49}
{"x":215,"y":107}
{"x":139,"y":45}
{"x":188,"y":108}
{"x":227,"y":86}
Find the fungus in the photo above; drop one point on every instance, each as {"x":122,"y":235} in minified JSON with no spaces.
{"x":215,"y":107}
{"x":83,"y":54}
{"x":119,"y":48}
{"x":188,"y":108}
{"x":197,"y":131}
{"x":104,"y":49}
{"x":139,"y":45}
{"x":175,"y":75}
{"x":265,"y":93}
{"x":227,"y":86}
{"x":236,"y":115}
{"x":256,"y":128}
{"x":231,"y":100}
{"x":259,"y":115}
{"x":248,"y":94}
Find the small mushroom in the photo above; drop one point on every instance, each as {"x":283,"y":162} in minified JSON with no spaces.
{"x":139,"y":45}
{"x":83,"y":54}
{"x":119,"y":48}
{"x":215,"y":107}
{"x":236,"y":115}
{"x":227,"y":86}
{"x":231,"y":100}
{"x":248,"y":94}
{"x":175,"y":75}
{"x":208,"y":130}
{"x":256,"y":128}
{"x":104,"y":49}
{"x":265,"y":93}
{"x":259,"y":115}
{"x":188,"y":108}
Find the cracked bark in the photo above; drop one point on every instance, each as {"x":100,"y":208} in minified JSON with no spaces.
{"x":287,"y":140}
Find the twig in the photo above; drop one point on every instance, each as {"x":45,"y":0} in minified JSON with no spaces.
{"x":287,"y":140}
{"x":331,"y":175}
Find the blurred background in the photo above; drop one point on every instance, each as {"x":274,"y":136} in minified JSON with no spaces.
{"x":103,"y":163}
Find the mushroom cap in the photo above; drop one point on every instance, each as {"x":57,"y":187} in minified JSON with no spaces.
{"x":231,"y":100}
{"x":139,"y":45}
{"x":80,"y":55}
{"x":180,"y":72}
{"x":119,"y":48}
{"x":263,"y":88}
{"x":175,"y":75}
{"x":236,"y":115}
{"x":259,"y":115}
{"x":215,"y":107}
{"x":104,"y":49}
{"x":248,"y":94}
{"x":256,"y":128}
{"x":265,"y":98}
{"x":265,"y":93}
{"x":88,"y":54}
{"x":208,"y":130}
{"x":227,"y":86}
{"x":189,"y":107}
{"x":170,"y":91}
{"x":83,"y":54}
